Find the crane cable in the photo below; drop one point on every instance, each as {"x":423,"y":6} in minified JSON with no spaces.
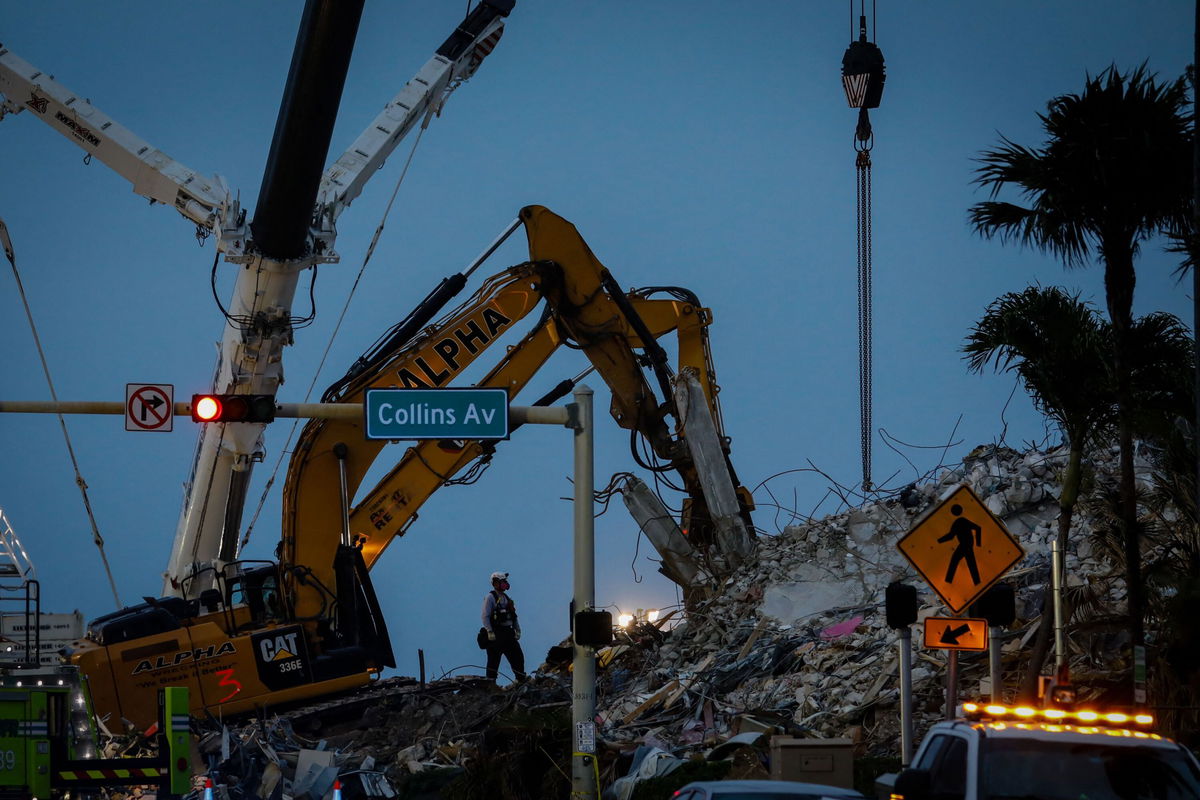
{"x":6,"y":242}
{"x":862,"y":80}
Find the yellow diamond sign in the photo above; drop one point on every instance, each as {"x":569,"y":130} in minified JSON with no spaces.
{"x":960,"y":548}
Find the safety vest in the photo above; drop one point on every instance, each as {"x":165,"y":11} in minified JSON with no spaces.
{"x":504,"y":610}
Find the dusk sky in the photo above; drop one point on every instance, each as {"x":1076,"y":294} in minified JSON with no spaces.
{"x":706,"y":145}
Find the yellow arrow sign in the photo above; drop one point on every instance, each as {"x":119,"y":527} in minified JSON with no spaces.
{"x":959,"y":548}
{"x":956,"y":633}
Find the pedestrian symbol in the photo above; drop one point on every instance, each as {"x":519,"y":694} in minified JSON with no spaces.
{"x":969,"y":536}
{"x":960,"y":548}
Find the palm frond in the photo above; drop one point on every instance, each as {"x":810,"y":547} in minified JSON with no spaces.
{"x":1058,"y":345}
{"x":1112,"y":170}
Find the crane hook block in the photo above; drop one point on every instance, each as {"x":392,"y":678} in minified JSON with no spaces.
{"x":863,"y":73}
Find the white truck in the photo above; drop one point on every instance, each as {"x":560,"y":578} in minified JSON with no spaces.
{"x":1014,"y":753}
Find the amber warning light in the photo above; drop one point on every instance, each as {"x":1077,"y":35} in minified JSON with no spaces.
{"x":989,"y":711}
{"x":233,"y":408}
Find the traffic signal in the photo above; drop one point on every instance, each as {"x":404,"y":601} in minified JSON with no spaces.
{"x":233,"y":408}
{"x":998,"y":605}
{"x":593,"y":628}
{"x":900,"y":604}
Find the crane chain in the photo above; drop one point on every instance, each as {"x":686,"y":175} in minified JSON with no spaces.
{"x":863,"y":166}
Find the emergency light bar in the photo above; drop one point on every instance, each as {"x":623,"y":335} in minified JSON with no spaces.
{"x":976,"y":711}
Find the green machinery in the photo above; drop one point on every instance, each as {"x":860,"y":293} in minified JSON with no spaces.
{"x":48,"y":740}
{"x":48,"y":730}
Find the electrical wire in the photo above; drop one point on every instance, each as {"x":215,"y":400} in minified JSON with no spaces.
{"x":10,"y":253}
{"x":252,"y":320}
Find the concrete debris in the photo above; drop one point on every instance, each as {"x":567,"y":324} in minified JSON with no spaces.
{"x":796,"y":644}
{"x":799,"y":631}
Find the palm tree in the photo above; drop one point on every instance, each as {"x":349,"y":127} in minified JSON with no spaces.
{"x":1059,"y":347}
{"x":1112,"y":173}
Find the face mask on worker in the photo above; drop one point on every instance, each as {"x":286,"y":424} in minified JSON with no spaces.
{"x":504,"y":586}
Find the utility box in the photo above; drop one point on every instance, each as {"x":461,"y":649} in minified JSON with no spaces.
{"x":828,"y":761}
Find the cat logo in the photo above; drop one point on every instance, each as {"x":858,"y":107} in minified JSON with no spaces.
{"x":280,"y":647}
{"x":281,"y":656}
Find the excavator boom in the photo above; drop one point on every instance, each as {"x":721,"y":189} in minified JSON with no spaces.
{"x":583,"y":306}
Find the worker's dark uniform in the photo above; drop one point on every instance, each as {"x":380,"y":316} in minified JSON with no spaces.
{"x":500,"y":616}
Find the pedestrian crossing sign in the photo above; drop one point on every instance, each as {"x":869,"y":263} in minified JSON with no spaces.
{"x":960,"y":548}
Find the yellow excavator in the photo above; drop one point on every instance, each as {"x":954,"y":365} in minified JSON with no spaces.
{"x":270,"y":634}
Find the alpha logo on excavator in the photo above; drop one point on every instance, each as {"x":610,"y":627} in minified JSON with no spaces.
{"x":470,"y":335}
{"x":182,"y":656}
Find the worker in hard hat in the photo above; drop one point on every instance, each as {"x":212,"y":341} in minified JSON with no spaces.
{"x":502,"y":628}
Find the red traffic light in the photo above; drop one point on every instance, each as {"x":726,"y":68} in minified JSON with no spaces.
{"x":233,"y":408}
{"x":206,"y":408}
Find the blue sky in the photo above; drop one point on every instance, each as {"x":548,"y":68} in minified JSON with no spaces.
{"x":705,"y":145}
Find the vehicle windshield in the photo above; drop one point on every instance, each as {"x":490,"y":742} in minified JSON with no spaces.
{"x":1042,"y":770}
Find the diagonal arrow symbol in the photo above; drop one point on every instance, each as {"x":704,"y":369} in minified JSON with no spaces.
{"x":153,"y":403}
{"x":950,"y":635}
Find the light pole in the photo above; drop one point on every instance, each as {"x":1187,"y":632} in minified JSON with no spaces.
{"x":584,"y":771}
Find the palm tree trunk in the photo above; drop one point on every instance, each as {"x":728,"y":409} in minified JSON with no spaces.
{"x":1041,"y":642}
{"x":1119,"y":281}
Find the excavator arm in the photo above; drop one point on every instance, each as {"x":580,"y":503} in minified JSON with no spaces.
{"x":584,"y":307}
{"x":387,"y":511}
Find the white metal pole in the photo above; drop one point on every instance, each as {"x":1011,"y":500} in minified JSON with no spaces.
{"x":584,"y":784}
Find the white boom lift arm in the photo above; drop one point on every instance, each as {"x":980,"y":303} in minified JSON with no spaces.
{"x":258,"y":324}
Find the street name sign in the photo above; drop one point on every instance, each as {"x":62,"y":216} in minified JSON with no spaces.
{"x":149,"y":407}
{"x":960,"y":548}
{"x":436,"y":413}
{"x":956,"y":633}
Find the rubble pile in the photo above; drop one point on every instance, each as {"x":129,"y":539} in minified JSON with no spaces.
{"x":396,"y":739}
{"x":795,"y":642}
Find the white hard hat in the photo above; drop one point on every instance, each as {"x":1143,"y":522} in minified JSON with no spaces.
{"x":499,"y":576}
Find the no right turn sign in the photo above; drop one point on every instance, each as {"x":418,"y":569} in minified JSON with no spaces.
{"x":149,"y":407}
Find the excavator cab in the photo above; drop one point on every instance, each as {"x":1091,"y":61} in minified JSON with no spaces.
{"x":259,"y":590}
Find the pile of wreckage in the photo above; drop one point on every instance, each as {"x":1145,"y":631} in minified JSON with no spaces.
{"x":796,"y":643}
